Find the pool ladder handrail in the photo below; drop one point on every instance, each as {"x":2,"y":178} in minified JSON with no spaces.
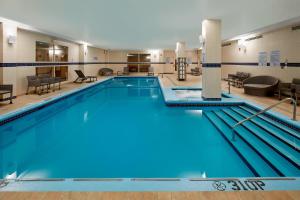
{"x":265,"y":110}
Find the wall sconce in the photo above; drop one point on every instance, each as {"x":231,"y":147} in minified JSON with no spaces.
{"x":11,"y":39}
{"x":242,"y":45}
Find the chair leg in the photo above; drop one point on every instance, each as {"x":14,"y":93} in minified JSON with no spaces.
{"x":11,"y":96}
{"x":279,"y":95}
{"x":27,"y":90}
{"x":76,"y":80}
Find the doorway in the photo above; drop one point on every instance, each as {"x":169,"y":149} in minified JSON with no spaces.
{"x":139,"y":62}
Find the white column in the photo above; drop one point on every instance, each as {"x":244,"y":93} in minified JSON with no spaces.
{"x":211,"y":63}
{"x":9,"y":54}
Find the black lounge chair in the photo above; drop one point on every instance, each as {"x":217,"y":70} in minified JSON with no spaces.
{"x":125,"y":72}
{"x":81,"y":77}
{"x":6,"y":89}
{"x":260,"y":85}
{"x":106,"y":72}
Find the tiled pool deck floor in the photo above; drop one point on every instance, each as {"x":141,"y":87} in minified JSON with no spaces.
{"x":274,"y":195}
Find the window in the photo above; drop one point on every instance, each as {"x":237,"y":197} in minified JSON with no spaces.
{"x":46,"y":52}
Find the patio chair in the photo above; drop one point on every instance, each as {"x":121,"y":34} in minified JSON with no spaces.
{"x":196,"y":71}
{"x":6,"y":89}
{"x":151,"y":71}
{"x":240,"y":77}
{"x":124,"y":72}
{"x":289,"y":89}
{"x":296,"y":92}
{"x":81,"y":77}
{"x":237,"y":79}
{"x":38,"y":84}
{"x":46,"y":78}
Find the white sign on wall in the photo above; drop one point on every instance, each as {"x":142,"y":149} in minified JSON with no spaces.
{"x":275,"y":58}
{"x":262,"y":59}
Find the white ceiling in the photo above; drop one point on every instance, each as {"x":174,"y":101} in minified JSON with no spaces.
{"x":141,"y":24}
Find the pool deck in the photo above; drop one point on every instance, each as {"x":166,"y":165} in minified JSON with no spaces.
{"x":274,"y":195}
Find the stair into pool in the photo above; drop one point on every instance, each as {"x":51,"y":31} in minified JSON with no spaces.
{"x":269,"y":149}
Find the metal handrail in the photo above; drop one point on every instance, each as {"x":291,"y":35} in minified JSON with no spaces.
{"x":265,"y":110}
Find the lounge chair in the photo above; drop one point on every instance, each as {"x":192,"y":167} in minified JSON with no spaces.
{"x":151,"y":71}
{"x":6,"y":89}
{"x":288,"y":89}
{"x":37,"y":83}
{"x":196,"y":71}
{"x":260,"y":85}
{"x":81,"y":77}
{"x":106,"y":72}
{"x":124,"y":72}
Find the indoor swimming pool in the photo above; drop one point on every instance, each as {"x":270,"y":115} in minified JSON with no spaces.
{"x":122,"y":128}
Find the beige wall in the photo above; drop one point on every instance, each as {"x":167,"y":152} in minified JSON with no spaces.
{"x":94,"y":55}
{"x":285,"y":40}
{"x":26,"y":44}
{"x":26,"y":53}
{"x":156,"y":56}
{"x":117,"y":56}
{"x":9,"y":54}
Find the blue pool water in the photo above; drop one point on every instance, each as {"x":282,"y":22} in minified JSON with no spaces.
{"x":119,"y":129}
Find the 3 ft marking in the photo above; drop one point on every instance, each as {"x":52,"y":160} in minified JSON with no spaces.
{"x":247,"y":185}
{"x":239,"y":185}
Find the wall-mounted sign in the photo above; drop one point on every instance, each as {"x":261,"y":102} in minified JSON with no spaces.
{"x":275,"y":58}
{"x":262,"y":59}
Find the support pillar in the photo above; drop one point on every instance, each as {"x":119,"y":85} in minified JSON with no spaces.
{"x":211,"y":60}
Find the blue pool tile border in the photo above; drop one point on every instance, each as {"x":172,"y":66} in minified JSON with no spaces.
{"x":211,"y":65}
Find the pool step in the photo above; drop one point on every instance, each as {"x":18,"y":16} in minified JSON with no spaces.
{"x":290,"y":140}
{"x":279,"y":163}
{"x":284,"y":128}
{"x":258,"y":166}
{"x":276,"y":144}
